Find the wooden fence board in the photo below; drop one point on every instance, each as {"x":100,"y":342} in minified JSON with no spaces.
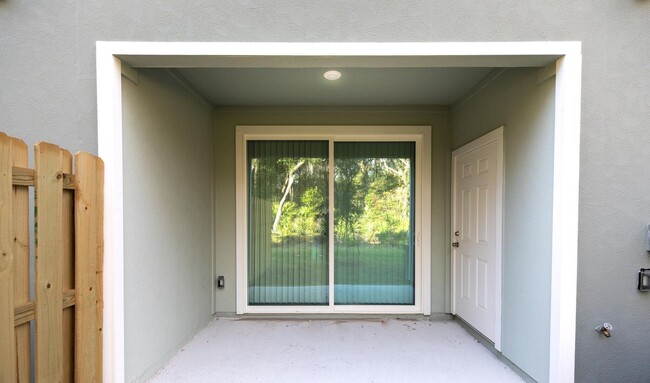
{"x":49,"y":263}
{"x":8,"y":358}
{"x":25,"y":313}
{"x":68,"y":265}
{"x":25,"y":177}
{"x":89,"y":175}
{"x":21,"y":260}
{"x":68,"y":273}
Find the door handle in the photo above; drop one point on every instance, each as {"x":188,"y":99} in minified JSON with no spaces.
{"x":455,"y":244}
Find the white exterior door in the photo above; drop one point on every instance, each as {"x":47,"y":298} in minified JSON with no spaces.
{"x":476,"y":233}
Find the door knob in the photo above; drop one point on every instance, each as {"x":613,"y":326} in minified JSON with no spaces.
{"x":455,"y":244}
{"x":457,"y":233}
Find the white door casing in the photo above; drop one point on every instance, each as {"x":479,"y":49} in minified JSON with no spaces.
{"x":476,"y":233}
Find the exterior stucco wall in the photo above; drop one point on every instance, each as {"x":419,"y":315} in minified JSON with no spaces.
{"x":48,"y":92}
{"x":227,"y":120}
{"x":168,"y":155}
{"x":527,"y":112}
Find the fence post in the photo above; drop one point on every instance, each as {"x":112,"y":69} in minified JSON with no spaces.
{"x":49,"y":262}
{"x":8,"y":358}
{"x":89,"y":208}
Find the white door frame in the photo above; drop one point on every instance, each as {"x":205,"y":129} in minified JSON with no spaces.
{"x":568,"y":67}
{"x":495,"y":135}
{"x":420,"y":135}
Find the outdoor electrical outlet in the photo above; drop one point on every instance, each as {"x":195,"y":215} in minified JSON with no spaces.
{"x":221,"y":283}
{"x":644,"y":280}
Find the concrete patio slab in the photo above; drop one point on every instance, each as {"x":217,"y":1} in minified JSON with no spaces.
{"x":381,"y":350}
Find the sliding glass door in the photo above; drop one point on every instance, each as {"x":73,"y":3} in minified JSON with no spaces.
{"x":373,"y":223}
{"x":330,"y":223}
{"x":288,"y":257}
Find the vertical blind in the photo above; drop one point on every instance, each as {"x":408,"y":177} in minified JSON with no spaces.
{"x":288,"y":188}
{"x":287,"y":223}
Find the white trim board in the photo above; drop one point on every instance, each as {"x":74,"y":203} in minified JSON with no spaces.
{"x":461,"y":54}
{"x":420,"y":135}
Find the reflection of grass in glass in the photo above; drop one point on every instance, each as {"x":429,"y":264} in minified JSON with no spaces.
{"x":294,"y":264}
{"x":371,"y":265}
{"x":307,"y":265}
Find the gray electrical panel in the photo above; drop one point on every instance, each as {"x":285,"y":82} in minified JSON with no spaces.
{"x":647,"y":239}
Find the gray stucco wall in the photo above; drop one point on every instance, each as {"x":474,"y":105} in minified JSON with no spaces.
{"x":168,"y":137}
{"x":527,"y":112}
{"x":227,"y":120}
{"x":48,"y":92}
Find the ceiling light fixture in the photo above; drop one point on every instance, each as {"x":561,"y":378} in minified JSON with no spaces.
{"x":332,"y":75}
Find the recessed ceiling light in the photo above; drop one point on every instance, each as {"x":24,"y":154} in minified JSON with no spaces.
{"x":332,"y":75}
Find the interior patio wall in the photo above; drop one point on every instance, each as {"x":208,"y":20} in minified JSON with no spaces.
{"x":514,"y":99}
{"x":168,"y":136}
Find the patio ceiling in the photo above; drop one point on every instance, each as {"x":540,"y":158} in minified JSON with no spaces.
{"x":357,"y":86}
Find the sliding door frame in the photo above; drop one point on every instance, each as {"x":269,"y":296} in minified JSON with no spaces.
{"x":420,"y":135}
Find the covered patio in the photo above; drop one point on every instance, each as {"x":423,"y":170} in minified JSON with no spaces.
{"x":176,"y":136}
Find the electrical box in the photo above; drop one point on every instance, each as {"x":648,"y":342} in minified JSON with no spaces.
{"x":221,"y":282}
{"x":647,"y":239}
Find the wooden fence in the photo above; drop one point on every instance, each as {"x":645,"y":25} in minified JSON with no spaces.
{"x":67,"y":284}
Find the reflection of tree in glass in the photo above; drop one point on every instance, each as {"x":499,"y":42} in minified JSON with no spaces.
{"x":291,"y":177}
{"x":297,"y":188}
{"x":350,"y":180}
{"x":372,"y":200}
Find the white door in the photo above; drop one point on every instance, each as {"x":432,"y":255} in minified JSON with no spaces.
{"x":476,"y":233}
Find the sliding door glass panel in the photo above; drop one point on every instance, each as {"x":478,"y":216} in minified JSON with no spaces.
{"x":374,"y":259}
{"x":287,"y":222}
